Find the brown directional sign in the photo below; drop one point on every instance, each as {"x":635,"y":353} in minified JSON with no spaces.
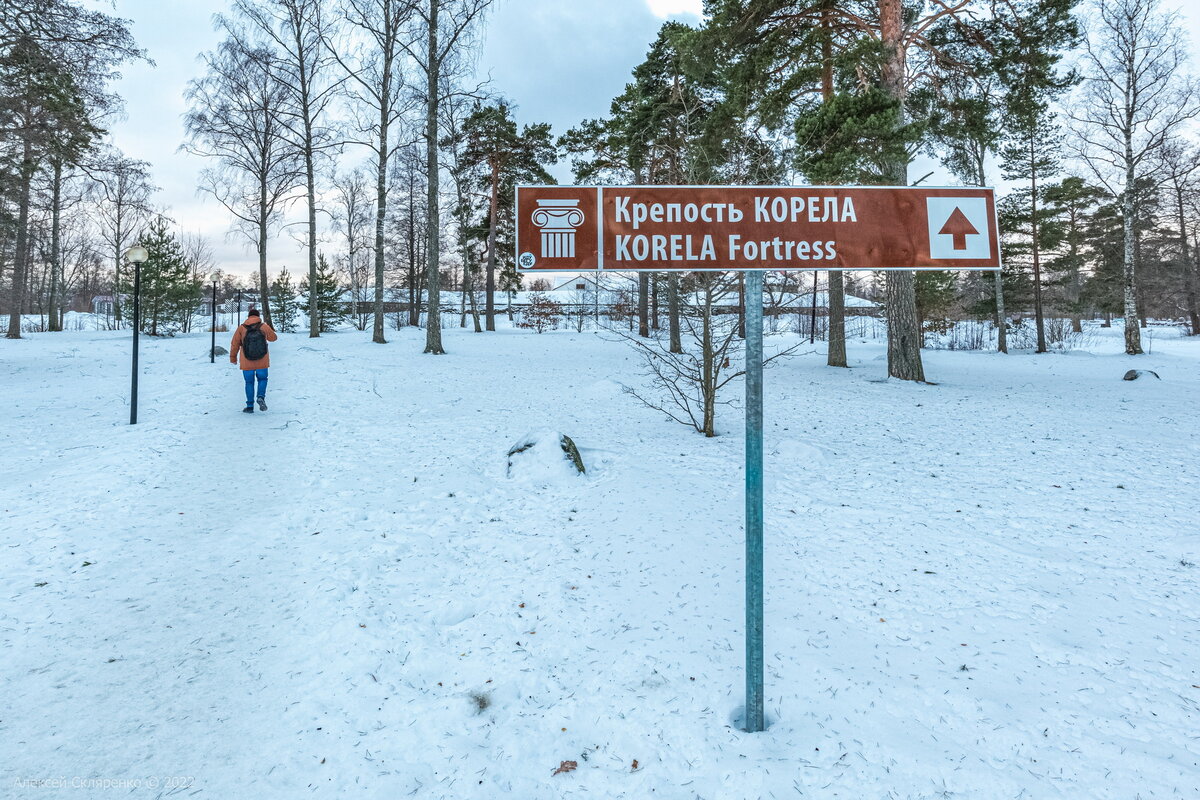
{"x":629,"y":228}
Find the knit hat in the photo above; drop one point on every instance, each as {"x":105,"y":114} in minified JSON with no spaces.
{"x":253,"y":313}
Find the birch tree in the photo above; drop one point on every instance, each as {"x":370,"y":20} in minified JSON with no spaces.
{"x":66,"y":191}
{"x":121,"y":191}
{"x":1134,"y":98}
{"x":295,"y":29}
{"x":235,"y":120}
{"x":408,"y":219}
{"x":352,"y":219}
{"x":464,"y":175}
{"x":440,"y":33}
{"x":371,"y":54}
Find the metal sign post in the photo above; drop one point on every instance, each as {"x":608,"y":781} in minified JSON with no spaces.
{"x":137,"y":323}
{"x":754,"y":502}
{"x":751,"y":229}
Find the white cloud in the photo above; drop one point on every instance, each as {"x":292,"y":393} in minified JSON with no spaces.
{"x":667,"y":8}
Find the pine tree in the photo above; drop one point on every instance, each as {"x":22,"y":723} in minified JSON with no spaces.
{"x":936,"y":291}
{"x":503,"y":155}
{"x":965,"y":114}
{"x":42,"y":111}
{"x":328,"y":295}
{"x":1037,"y":39}
{"x":283,"y":298}
{"x":1072,"y":202}
{"x":1104,"y":233}
{"x":168,"y":289}
{"x":1016,"y":249}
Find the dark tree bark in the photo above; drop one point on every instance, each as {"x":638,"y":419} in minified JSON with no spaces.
{"x":644,"y":304}
{"x":21,"y":249}
{"x":903,"y":325}
{"x":837,"y":319}
{"x":1038,"y":312}
{"x":489,"y":306}
{"x":56,"y":267}
{"x":433,"y":324}
{"x":676,"y":343}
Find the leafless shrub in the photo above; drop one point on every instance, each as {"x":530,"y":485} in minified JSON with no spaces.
{"x":686,"y":386}
{"x":542,"y":314}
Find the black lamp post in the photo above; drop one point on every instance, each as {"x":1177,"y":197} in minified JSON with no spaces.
{"x":212,"y":351}
{"x":239,"y":316}
{"x":135,"y":255}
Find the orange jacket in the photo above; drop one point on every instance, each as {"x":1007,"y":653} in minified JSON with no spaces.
{"x":235,"y":347}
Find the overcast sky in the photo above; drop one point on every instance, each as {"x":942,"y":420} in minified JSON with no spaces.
{"x":559,"y":61}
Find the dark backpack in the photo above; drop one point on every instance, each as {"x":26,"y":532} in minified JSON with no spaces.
{"x":254,"y":342}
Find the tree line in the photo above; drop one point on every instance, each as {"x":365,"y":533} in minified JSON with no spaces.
{"x":1088,"y":123}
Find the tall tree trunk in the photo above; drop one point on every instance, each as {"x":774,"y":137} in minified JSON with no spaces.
{"x":21,"y":254}
{"x":904,"y":330}
{"x":1133,"y":335}
{"x":1038,"y":313}
{"x":676,"y":344}
{"x":837,"y":319}
{"x":475,"y":309}
{"x":414,"y":256}
{"x":1001,"y":322}
{"x":264,"y":285}
{"x":836,"y":306}
{"x":433,"y":325}
{"x":708,"y":364}
{"x":314,"y":316}
{"x":1189,"y":272}
{"x":654,"y":301}
{"x":741,"y":306}
{"x":355,"y":289}
{"x":56,"y":270}
{"x":1076,"y":289}
{"x":116,"y":304}
{"x":812,"y":321}
{"x":644,"y":304}
{"x":489,"y":305}
{"x":466,"y":265}
{"x":4,"y":237}
{"x":380,"y":215}
{"x":1138,"y":260}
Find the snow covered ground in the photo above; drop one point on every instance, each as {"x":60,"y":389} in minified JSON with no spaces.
{"x":984,"y":588}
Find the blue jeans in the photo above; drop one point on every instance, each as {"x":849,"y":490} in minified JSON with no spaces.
{"x":250,"y":375}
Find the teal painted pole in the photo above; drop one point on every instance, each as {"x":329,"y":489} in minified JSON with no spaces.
{"x":754,"y":502}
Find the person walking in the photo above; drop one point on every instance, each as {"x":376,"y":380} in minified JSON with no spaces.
{"x":250,"y":343}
